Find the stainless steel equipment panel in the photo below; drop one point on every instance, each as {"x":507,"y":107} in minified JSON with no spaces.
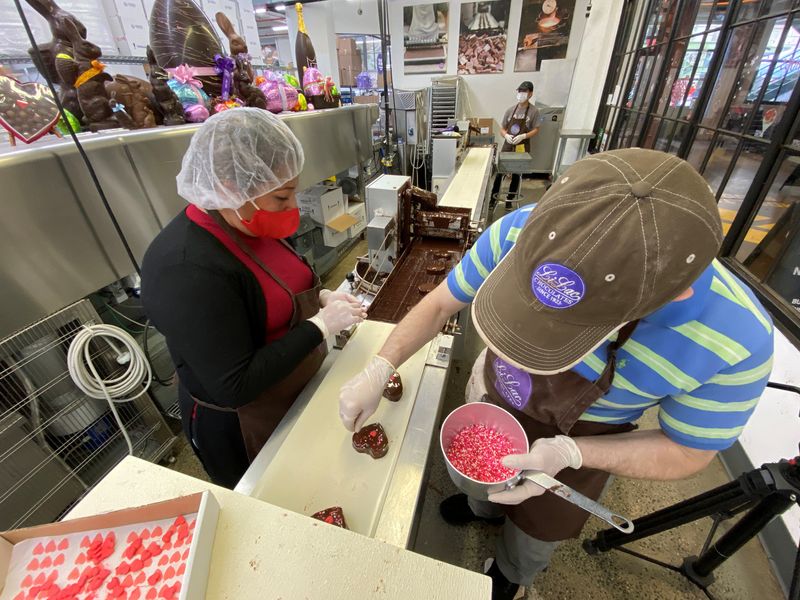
{"x":57,"y":243}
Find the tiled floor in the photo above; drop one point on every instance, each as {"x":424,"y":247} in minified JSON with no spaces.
{"x":573,"y":573}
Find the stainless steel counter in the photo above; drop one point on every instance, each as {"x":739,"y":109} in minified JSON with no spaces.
{"x":56,"y":240}
{"x":399,"y":516}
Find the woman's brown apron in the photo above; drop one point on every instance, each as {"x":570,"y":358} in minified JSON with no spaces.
{"x":259,"y":418}
{"x":523,"y":128}
{"x":546,"y":406}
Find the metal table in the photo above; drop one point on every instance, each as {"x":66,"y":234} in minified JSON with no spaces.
{"x":582,"y":135}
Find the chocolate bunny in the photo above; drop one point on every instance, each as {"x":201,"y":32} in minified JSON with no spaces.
{"x":236,"y":43}
{"x":169,"y":109}
{"x":57,"y":54}
{"x":249,"y":93}
{"x":134,"y":94}
{"x":91,"y":83}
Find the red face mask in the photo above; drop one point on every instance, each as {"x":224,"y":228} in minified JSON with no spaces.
{"x":276,"y":225}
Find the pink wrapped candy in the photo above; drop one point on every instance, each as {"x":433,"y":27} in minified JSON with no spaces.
{"x":477,"y":452}
{"x":313,"y":82}
{"x":279,"y":94}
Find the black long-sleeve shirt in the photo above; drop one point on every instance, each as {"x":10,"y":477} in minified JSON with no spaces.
{"x":212,"y":311}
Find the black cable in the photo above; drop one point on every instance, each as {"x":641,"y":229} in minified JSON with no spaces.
{"x":82,"y":152}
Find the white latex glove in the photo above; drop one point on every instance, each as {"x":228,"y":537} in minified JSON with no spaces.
{"x":338,"y":315}
{"x":327,"y":296}
{"x":509,"y":138}
{"x":359,"y":397}
{"x":518,"y":139}
{"x":548,"y":455}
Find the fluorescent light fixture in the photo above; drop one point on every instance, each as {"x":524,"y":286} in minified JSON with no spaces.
{"x":280,"y":28}
{"x":279,"y":7}
{"x":261,"y":10}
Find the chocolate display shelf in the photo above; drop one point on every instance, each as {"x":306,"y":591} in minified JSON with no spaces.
{"x":401,"y":291}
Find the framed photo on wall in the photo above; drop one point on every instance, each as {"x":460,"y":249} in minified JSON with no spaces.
{"x":544,"y":31}
{"x":425,"y":38}
{"x":482,"y":39}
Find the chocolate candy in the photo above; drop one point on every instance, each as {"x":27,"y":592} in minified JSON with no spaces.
{"x":333,"y":516}
{"x":436,"y":267}
{"x":371,"y":440}
{"x":393,"y":390}
{"x":426,"y":288}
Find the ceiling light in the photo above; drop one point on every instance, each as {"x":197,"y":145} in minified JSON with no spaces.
{"x":280,"y":28}
{"x":261,"y":10}
{"x":279,"y":7}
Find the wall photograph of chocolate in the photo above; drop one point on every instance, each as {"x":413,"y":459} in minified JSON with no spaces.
{"x":482,"y":42}
{"x":425,"y":38}
{"x":544,"y":31}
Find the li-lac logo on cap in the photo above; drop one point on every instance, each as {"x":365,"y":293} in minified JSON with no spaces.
{"x":514,"y":385}
{"x":557,"y":286}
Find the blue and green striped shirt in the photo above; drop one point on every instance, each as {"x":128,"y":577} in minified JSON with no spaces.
{"x":703,"y":361}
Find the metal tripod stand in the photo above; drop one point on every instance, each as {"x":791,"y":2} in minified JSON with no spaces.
{"x":764,"y":493}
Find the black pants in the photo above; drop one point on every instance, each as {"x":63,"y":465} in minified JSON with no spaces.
{"x":216,"y":439}
{"x":513,"y":188}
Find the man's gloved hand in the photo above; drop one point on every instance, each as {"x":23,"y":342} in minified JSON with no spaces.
{"x":337,"y":315}
{"x":360,"y":396}
{"x":509,"y":138}
{"x":327,"y":296}
{"x":518,"y":139}
{"x":548,"y":455}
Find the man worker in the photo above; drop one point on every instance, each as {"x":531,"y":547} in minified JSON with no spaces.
{"x":520,"y":123}
{"x":600,"y":302}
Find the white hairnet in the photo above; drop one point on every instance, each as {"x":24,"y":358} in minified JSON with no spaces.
{"x":236,"y":156}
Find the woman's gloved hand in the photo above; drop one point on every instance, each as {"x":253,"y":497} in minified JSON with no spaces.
{"x":518,"y":139}
{"x":359,"y":397}
{"x":509,"y":138}
{"x":548,"y":455}
{"x":337,"y":315}
{"x":327,"y":296}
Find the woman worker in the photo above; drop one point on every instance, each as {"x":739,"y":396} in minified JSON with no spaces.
{"x":245,"y":318}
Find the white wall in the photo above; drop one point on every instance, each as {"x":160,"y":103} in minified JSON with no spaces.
{"x":347,"y":19}
{"x":319,"y":18}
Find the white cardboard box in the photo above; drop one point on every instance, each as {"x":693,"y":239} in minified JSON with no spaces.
{"x":358,"y":210}
{"x":322,"y":203}
{"x":193,"y":584}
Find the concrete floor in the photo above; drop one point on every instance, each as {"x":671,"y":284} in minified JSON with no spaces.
{"x":573,"y":573}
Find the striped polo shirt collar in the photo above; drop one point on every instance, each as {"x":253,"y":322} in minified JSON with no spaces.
{"x":683,"y":311}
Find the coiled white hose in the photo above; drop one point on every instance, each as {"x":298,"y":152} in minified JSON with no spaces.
{"x":129,"y":385}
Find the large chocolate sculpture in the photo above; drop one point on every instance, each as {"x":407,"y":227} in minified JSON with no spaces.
{"x":91,"y":82}
{"x":303,"y":48}
{"x":180,"y":34}
{"x":236,"y":44}
{"x":57,"y":54}
{"x":169,"y":110}
{"x":134,"y":96}
{"x":246,"y":89}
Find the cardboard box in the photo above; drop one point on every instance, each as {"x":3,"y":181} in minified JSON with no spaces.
{"x":193,"y":582}
{"x":322,"y":203}
{"x":485,"y":125}
{"x":357,"y":210}
{"x":370,"y":99}
{"x":336,"y":230}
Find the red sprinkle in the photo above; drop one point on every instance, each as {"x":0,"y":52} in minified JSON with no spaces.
{"x":476,"y":451}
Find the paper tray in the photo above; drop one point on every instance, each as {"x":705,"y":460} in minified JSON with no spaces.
{"x":316,"y":467}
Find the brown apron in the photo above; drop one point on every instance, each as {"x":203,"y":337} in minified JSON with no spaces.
{"x":546,"y":406}
{"x":259,"y":418}
{"x":521,"y":127}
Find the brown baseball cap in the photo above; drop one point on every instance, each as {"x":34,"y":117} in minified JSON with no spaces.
{"x":617,"y":236}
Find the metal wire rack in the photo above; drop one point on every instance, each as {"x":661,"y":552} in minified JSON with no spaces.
{"x":55,"y":442}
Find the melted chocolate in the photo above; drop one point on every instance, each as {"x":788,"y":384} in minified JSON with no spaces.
{"x":333,"y":516}
{"x":371,"y":440}
{"x":436,"y":267}
{"x":393,"y":390}
{"x":426,"y":288}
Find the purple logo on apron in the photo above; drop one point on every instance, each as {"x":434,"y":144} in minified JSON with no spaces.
{"x":514,"y":129}
{"x":557,"y":286}
{"x":514,"y":385}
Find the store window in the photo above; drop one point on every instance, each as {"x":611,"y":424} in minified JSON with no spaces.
{"x":716,"y":82}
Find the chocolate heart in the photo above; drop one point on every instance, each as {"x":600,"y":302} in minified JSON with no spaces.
{"x":371,"y":440}
{"x":393,"y":390}
{"x":333,"y":515}
{"x":27,"y":110}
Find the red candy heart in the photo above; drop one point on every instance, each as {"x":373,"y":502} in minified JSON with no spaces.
{"x":51,"y":546}
{"x":33,"y":565}
{"x":20,"y":596}
{"x":40,"y":579}
{"x":59,"y":560}
{"x":46,"y":562}
{"x":128,"y":581}
{"x":28,"y":581}
{"x":38,"y":549}
{"x":63,"y":544}
{"x":157,"y":531}
{"x":131,"y":537}
{"x":145,"y":534}
{"x":164,"y":560}
{"x":85,"y":542}
{"x":137,"y":564}
{"x":139,"y":578}
{"x":113,"y":583}
{"x":74,"y":574}
{"x":155,"y":577}
{"x":181,"y":570}
{"x":81,"y":559}
{"x":186,"y":553}
{"x":169,"y":573}
{"x":52,"y":577}
{"x":152,"y":594}
{"x":154,"y":549}
{"x":176,"y":556}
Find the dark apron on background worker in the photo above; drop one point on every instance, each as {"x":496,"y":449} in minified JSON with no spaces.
{"x":517,"y":126}
{"x":259,"y":418}
{"x":546,"y":406}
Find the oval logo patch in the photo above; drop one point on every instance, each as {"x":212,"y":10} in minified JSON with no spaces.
{"x":557,"y":286}
{"x":514,"y":385}
{"x":514,"y":129}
